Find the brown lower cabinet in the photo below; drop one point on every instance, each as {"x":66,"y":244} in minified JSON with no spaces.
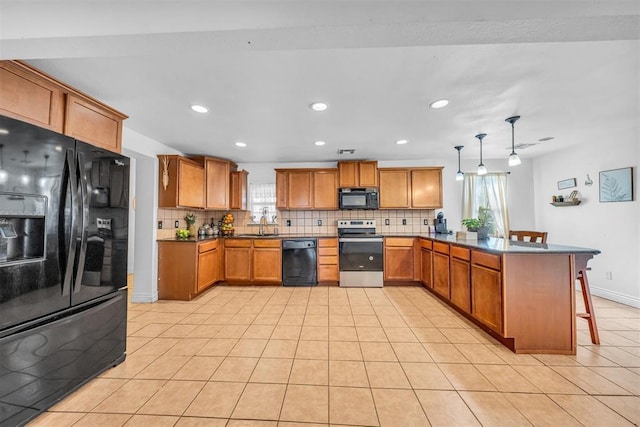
{"x":187,"y":268}
{"x":460,"y":275}
{"x":486,"y":290}
{"x":441,"y":268}
{"x":266,"y":264}
{"x":398,"y":258}
{"x":328,"y":268}
{"x":253,"y":261}
{"x":426,"y":262}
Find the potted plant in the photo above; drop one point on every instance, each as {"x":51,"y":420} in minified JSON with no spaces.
{"x":481,"y":225}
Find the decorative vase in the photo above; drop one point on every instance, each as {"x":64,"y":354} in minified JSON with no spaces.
{"x":483,"y":233}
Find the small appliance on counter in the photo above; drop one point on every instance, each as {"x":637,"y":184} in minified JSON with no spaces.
{"x":441,"y":224}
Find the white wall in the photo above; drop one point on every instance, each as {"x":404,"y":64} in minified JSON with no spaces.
{"x":610,"y":227}
{"x":145,"y":249}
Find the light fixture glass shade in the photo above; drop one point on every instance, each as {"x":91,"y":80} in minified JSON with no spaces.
{"x":482,"y":170}
{"x":459,"y":176}
{"x":514,"y":160}
{"x":4,"y":176}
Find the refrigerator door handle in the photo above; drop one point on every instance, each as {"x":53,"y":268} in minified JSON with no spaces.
{"x":70,"y":168}
{"x":83,"y":207}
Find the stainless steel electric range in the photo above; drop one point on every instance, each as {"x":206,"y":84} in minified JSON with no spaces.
{"x":360,"y":253}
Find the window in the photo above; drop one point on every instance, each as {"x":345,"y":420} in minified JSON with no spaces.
{"x":262,"y":196}
{"x":487,"y":195}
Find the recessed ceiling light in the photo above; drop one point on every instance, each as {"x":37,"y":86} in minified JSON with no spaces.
{"x":319,"y":143}
{"x":4,"y":132}
{"x":199,"y":109}
{"x":401,"y":141}
{"x":319,"y":106}
{"x":439,"y":103}
{"x":546,"y":138}
{"x":241,"y":144}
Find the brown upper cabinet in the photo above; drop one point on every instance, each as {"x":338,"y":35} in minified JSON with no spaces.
{"x":88,"y":121}
{"x":184,"y":179}
{"x":29,"y":95}
{"x":325,"y":189}
{"x":405,"y":188}
{"x":363,"y":173}
{"x":307,"y":189}
{"x":223,"y":190}
{"x":238,"y":196}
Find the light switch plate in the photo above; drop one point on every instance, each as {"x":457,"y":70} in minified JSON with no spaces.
{"x":176,"y":224}
{"x":404,"y":221}
{"x":159,"y":225}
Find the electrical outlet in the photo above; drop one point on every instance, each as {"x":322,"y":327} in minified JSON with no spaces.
{"x":288,"y":223}
{"x":386,"y":222}
{"x":404,"y":221}
{"x":176,"y":224}
{"x":319,"y":223}
{"x":608,"y":275}
{"x":159,"y":225}
{"x":426,"y":222}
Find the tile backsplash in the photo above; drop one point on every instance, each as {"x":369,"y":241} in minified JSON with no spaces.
{"x":303,"y":222}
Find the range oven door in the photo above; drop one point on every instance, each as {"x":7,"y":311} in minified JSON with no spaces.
{"x":360,"y":254}
{"x":361,"y":262}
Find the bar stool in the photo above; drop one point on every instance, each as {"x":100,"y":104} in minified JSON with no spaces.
{"x":531,"y":236}
{"x":590,"y":314}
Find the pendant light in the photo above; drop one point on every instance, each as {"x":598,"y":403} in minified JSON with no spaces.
{"x":460,"y":174}
{"x":514,"y":160}
{"x":3,"y":173}
{"x":25,"y":178}
{"x":43,"y":178}
{"x":482,"y":170}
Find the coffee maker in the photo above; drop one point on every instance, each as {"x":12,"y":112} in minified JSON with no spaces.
{"x":441,"y":224}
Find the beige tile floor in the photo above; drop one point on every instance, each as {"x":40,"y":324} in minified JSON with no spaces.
{"x":274,"y":356}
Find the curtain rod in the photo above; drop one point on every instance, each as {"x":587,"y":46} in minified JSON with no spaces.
{"x":489,"y":173}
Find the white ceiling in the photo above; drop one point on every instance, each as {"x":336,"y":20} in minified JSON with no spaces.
{"x":569,"y":68}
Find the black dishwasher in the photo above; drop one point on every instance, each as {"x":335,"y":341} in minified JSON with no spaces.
{"x":299,"y":262}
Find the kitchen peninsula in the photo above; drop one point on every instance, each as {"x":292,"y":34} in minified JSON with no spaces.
{"x":521,"y":293}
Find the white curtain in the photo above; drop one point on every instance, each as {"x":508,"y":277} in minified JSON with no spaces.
{"x":487,"y":191}
{"x":262,"y":196}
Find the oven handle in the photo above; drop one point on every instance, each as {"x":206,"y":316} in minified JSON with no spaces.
{"x":361,"y":239}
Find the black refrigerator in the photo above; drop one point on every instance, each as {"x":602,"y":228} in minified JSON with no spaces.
{"x":63,"y":266}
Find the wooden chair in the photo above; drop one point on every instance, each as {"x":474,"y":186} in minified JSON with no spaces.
{"x":590,"y":315}
{"x":528,"y":236}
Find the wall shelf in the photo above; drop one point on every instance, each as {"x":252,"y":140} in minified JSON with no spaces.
{"x":571,"y":203}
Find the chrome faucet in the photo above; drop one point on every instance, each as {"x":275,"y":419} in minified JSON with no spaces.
{"x":263,"y":221}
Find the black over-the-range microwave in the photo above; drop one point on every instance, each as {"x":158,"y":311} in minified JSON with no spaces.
{"x":358,"y":198}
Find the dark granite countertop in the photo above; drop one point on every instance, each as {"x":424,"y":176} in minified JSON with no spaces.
{"x":494,"y":245}
{"x":251,"y":236}
{"x":501,"y":246}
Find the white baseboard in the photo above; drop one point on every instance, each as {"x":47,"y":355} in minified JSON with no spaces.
{"x":144,"y":297}
{"x":614,"y":296}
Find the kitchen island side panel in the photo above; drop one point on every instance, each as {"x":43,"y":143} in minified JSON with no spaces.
{"x":539,"y":302}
